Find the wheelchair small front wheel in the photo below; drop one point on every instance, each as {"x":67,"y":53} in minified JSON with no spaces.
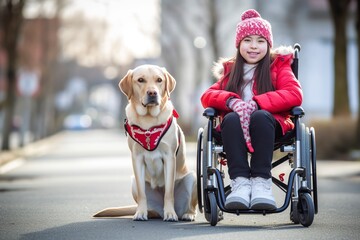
{"x":213,"y":215}
{"x":306,"y":209}
{"x":294,"y":213}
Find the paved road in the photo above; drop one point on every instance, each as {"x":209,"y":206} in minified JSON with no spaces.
{"x":53,"y":195}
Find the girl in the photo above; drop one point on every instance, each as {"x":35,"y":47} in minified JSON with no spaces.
{"x":254,"y":94}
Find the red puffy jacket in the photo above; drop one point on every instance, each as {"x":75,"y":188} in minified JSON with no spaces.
{"x":287,"y":94}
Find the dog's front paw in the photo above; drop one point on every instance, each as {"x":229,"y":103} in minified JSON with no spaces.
{"x":170,"y":216}
{"x":188,"y":217}
{"x":140,"y":216}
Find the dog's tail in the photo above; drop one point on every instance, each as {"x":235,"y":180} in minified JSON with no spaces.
{"x":122,"y":211}
{"x":116,"y":211}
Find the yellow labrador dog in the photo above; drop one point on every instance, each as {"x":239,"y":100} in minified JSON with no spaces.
{"x":162,"y":185}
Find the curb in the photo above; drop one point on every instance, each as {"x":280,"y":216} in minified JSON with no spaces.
{"x":30,"y":150}
{"x":337,"y":168}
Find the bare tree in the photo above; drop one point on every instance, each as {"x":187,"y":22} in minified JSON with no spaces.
{"x":10,"y":24}
{"x":213,"y":27}
{"x":357,"y":26}
{"x":339,"y":12}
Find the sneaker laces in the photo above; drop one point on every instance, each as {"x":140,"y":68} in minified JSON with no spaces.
{"x":261,"y":183}
{"x":238,"y":183}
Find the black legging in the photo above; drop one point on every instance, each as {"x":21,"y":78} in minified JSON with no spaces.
{"x":264,"y":129}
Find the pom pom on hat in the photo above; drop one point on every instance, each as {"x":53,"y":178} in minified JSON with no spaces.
{"x":252,"y":24}
{"x":251,"y":13}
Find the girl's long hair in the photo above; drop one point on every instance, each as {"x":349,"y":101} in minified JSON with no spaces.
{"x":262,"y":76}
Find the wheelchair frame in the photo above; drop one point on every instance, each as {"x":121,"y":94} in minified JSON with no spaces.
{"x":301,"y":190}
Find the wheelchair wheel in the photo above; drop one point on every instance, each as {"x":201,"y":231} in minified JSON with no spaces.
{"x":297,"y":215}
{"x":309,"y":163}
{"x":199,"y":168}
{"x":211,"y":211}
{"x":305,"y":153}
{"x":313,"y":166}
{"x":306,"y":209}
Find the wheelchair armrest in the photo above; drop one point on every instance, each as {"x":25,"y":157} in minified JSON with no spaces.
{"x":297,"y":111}
{"x":210,"y":112}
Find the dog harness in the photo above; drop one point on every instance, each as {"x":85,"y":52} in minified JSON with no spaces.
{"x":150,"y":138}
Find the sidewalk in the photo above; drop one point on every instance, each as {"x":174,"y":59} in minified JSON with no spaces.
{"x":21,"y":154}
{"x":325,"y":168}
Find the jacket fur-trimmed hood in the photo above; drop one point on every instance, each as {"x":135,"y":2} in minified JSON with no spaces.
{"x":218,"y":67}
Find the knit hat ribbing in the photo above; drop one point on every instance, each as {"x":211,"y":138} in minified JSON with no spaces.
{"x":252,"y":24}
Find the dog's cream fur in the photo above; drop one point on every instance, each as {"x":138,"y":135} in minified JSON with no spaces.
{"x":162,"y":185}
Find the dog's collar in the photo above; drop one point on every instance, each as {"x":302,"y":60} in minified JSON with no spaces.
{"x":150,"y":138}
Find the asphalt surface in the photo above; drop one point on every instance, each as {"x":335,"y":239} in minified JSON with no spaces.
{"x":51,"y":189}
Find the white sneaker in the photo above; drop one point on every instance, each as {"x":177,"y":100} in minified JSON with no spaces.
{"x":239,"y":198}
{"x":261,"y":194}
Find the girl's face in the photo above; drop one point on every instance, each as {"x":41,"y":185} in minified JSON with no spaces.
{"x":253,"y":48}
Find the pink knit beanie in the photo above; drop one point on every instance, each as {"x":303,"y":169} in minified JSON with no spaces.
{"x":252,"y":24}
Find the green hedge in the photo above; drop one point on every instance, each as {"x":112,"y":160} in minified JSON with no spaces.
{"x":335,"y":138}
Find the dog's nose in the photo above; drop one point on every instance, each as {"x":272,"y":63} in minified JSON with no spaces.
{"x":151,"y":93}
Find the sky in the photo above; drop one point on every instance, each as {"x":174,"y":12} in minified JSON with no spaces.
{"x":130,"y":31}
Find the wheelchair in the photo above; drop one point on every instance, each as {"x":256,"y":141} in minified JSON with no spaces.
{"x":297,"y":148}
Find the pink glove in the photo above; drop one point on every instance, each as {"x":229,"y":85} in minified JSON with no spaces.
{"x":252,"y":106}
{"x":244,"y":110}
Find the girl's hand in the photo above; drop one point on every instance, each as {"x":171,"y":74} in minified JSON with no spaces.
{"x":252,"y":106}
{"x":244,"y":110}
{"x":237,"y":105}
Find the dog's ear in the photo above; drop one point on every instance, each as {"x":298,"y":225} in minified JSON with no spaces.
{"x":125,"y":84}
{"x":170,"y":82}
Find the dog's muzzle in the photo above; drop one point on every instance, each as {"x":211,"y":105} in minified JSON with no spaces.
{"x":151,"y":99}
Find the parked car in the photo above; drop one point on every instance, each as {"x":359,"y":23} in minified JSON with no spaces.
{"x":77,"y":121}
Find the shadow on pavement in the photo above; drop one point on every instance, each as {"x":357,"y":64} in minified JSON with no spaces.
{"x":126,"y":228}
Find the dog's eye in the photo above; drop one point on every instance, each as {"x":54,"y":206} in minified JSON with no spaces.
{"x":141,"y":80}
{"x":159,"y":80}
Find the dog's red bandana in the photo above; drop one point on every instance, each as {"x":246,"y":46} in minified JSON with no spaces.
{"x":149,"y":138}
